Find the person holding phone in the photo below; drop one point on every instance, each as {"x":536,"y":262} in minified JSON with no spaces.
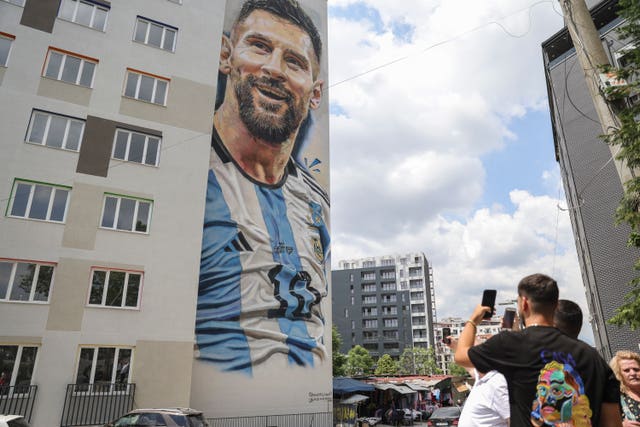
{"x":552,"y":379}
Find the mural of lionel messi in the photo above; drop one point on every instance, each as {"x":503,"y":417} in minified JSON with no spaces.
{"x":560,"y":398}
{"x":265,"y":244}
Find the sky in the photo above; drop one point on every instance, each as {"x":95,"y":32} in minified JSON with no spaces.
{"x":441,"y":143}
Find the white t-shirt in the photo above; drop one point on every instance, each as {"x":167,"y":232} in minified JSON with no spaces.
{"x":488,"y":402}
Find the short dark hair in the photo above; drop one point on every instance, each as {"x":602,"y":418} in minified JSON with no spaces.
{"x":568,"y":317}
{"x":542,"y":291}
{"x":289,"y":10}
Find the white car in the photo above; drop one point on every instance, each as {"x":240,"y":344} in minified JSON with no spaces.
{"x":13,"y":421}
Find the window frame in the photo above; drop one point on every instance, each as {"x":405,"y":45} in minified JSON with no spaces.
{"x":18,"y":362}
{"x":29,"y":204}
{"x":113,"y":384}
{"x":117,"y":213}
{"x":45,"y":135}
{"x":155,"y":77}
{"x":34,"y":281}
{"x":66,"y":54}
{"x":165,"y":28}
{"x":95,"y":4}
{"x":105,"y":288}
{"x":11,"y":38}
{"x":128,"y":146}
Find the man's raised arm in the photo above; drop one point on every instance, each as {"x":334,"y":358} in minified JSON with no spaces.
{"x":468,"y":336}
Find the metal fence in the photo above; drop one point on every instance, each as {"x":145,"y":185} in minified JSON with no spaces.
{"x":318,"y":419}
{"x":18,"y":400}
{"x":91,"y":404}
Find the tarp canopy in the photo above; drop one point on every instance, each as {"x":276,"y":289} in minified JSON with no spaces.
{"x":342,"y":385}
{"x":356,"y":398}
{"x":417,"y":387}
{"x":399,"y":388}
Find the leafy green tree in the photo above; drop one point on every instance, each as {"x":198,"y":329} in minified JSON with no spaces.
{"x":339,"y":359}
{"x":627,"y":138}
{"x":418,"y":361}
{"x":386,"y":366}
{"x":457,"y":370}
{"x":359,"y":362}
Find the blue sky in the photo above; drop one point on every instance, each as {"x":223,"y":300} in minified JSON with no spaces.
{"x":441,"y":142}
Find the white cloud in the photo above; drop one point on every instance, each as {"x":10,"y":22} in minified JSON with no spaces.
{"x":416,"y":120}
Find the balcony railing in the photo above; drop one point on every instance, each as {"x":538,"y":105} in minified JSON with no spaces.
{"x":18,"y":400}
{"x":91,"y":404}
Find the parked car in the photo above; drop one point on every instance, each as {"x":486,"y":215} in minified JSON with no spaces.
{"x":444,"y":417}
{"x":13,"y":421}
{"x":170,"y":417}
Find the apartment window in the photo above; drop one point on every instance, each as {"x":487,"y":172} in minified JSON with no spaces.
{"x":136,"y":147}
{"x":35,"y":200}
{"x":126,"y":214}
{"x":369,"y":299}
{"x":346,"y":313}
{"x":16,"y":365}
{"x":368,"y":264}
{"x":25,"y":281}
{"x":54,"y":130}
{"x":105,"y":367}
{"x":70,"y":67}
{"x":86,"y":12}
{"x":111,"y":288}
{"x":370,"y":323}
{"x":389,"y":286}
{"x":371,"y":311}
{"x":146,"y":87}
{"x":368,"y":275}
{"x":154,"y":33}
{"x":390,"y":323}
{"x":6,"y":40}
{"x":176,"y":1}
{"x":369,"y":287}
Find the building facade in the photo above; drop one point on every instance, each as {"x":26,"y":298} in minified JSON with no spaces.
{"x":444,"y":356}
{"x":385,"y":304}
{"x":106,"y":120}
{"x":592,"y":185}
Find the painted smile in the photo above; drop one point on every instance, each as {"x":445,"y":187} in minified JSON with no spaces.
{"x":272,"y":92}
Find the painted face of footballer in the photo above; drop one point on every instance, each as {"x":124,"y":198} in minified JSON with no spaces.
{"x":272,"y":73}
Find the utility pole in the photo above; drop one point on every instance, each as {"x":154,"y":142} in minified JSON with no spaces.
{"x":591,"y":55}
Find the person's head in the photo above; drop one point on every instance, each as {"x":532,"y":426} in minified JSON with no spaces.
{"x":626,"y":367}
{"x":537,"y":294}
{"x":272,"y":64}
{"x":568,"y":318}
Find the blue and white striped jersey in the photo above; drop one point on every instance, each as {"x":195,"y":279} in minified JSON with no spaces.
{"x":262,"y":269}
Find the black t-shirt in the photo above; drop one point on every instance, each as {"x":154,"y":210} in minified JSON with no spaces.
{"x":551,"y":377}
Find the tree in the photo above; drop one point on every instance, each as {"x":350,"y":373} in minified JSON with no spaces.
{"x":418,"y":361}
{"x":457,"y":370}
{"x":339,"y":359}
{"x":359,"y":362}
{"x":627,"y":137}
{"x":386,"y":366}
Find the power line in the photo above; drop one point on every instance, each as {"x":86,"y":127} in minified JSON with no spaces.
{"x":456,"y":37}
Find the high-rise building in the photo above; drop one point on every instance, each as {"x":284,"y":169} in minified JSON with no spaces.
{"x":591,"y":183}
{"x":384,"y":303}
{"x":103,"y":105}
{"x":106,"y":111}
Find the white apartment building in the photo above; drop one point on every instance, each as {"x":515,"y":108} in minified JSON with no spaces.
{"x":106,"y":126}
{"x":485,"y":330}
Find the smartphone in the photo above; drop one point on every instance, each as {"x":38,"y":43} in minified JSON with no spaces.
{"x":508,"y":318}
{"x":446,"y":333}
{"x":489,"y":300}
